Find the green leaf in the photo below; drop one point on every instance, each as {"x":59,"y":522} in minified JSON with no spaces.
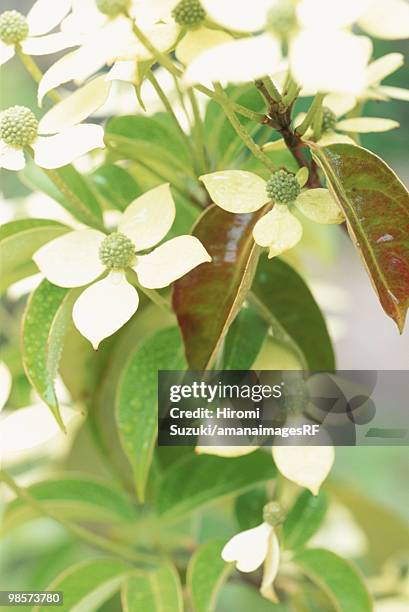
{"x":76,"y":497}
{"x":137,"y":399}
{"x":87,"y":585}
{"x":284,"y":294}
{"x":338,"y":578}
{"x":68,"y":187}
{"x":249,"y":508}
{"x":155,"y":591}
{"x":376,"y":206}
{"x":206,"y":574}
{"x":19,"y":240}
{"x":244,"y":340}
{"x":207,"y":300}
{"x":46,"y":317}
{"x":194,"y":481}
{"x":116,"y":185}
{"x":304,"y":519}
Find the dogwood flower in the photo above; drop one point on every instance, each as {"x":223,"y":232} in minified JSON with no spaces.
{"x":323,"y":55}
{"x":59,"y":137}
{"x":251,"y":548}
{"x":5,"y":384}
{"x":239,"y":191}
{"x":107,"y":36}
{"x":81,"y":257}
{"x":28,"y":32}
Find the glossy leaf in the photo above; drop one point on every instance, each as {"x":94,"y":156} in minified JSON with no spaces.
{"x":46,"y":317}
{"x":19,"y":240}
{"x":206,"y":574}
{"x":284,"y":294}
{"x":207,"y":299}
{"x":249,"y":508}
{"x":158,"y":590}
{"x":376,"y":206}
{"x":87,"y":585}
{"x":244,"y":340}
{"x":76,"y":497}
{"x":137,"y":406}
{"x":195,"y":481}
{"x":304,"y":519}
{"x":116,"y":185}
{"x":68,"y":187}
{"x":338,"y":578}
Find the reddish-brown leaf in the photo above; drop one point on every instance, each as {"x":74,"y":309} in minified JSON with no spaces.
{"x":376,"y":205}
{"x":207,"y":299}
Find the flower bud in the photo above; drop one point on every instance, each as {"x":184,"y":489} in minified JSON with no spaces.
{"x":329,"y":120}
{"x":117,"y":251}
{"x":13,"y":27}
{"x":282,"y":18}
{"x":283,"y":187}
{"x":274,"y":514}
{"x":112,"y":8}
{"x":188,"y":13}
{"x":18,"y":126}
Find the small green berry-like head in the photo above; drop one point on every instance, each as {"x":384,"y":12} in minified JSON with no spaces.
{"x":283,"y":187}
{"x":117,"y":251}
{"x":112,"y":8}
{"x":189,"y":13}
{"x":13,"y":27}
{"x":18,"y":126}
{"x":282,"y":18}
{"x":274,"y":514}
{"x":329,"y":120}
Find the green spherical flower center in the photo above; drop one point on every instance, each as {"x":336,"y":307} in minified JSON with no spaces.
{"x":18,"y":126}
{"x":274,"y":514}
{"x":282,"y":18}
{"x":189,"y":13}
{"x":13,"y":27}
{"x":117,"y":251}
{"x":112,"y":8}
{"x":329,"y":119}
{"x":283,"y":187}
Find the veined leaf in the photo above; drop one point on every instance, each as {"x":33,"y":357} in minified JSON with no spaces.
{"x":68,"y":187}
{"x":155,"y":591}
{"x":76,"y":497}
{"x":87,"y":585}
{"x":207,"y":299}
{"x":244,"y":340}
{"x":337,"y":577}
{"x":283,"y":293}
{"x":137,"y":399}
{"x":304,"y":519}
{"x":376,"y":206}
{"x":195,"y":481}
{"x":116,"y":185}
{"x":46,"y":317}
{"x":206,"y":574}
{"x":19,"y":240}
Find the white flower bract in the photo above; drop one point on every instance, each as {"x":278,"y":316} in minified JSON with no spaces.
{"x":75,"y":260}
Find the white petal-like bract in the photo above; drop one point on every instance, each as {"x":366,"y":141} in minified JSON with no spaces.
{"x":279,"y":230}
{"x":307,"y":466}
{"x":72,"y":260}
{"x":398,"y":93}
{"x":62,"y":149}
{"x":170,"y":261}
{"x":270,"y":569}
{"x":104,"y":307}
{"x":11,"y":158}
{"x":243,"y":17}
{"x":5,"y":384}
{"x":147,"y":220}
{"x":248,"y":548}
{"x":236,"y":191}
{"x":225,"y":451}
{"x":388,"y":19}
{"x":44,"y":16}
{"x":319,"y":206}
{"x":321,"y":14}
{"x":238,"y":61}
{"x":384,"y":66}
{"x":44,"y":45}
{"x":197,"y":41}
{"x":76,"y":107}
{"x":364,"y":125}
{"x":6,"y":52}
